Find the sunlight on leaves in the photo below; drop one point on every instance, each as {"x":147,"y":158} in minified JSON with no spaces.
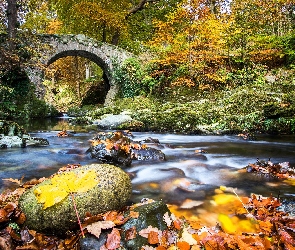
{"x":63,"y":185}
{"x":236,"y":225}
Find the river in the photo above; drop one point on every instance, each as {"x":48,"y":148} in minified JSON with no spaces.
{"x":186,"y":179}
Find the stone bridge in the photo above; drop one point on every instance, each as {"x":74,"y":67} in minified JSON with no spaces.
{"x":103,"y":54}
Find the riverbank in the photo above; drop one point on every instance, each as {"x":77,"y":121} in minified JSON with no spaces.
{"x":264,"y":104}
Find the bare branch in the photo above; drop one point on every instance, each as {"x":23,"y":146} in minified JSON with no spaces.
{"x":139,"y":6}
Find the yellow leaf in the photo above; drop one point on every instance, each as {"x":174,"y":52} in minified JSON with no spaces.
{"x":290,"y":181}
{"x":221,"y":199}
{"x":64,"y":184}
{"x":235,"y":225}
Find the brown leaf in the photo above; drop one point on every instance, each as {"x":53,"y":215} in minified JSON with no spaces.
{"x":130,"y":233}
{"x":3,"y":216}
{"x":287,"y":238}
{"x":153,"y":237}
{"x":95,"y":228}
{"x":114,"y":239}
{"x":21,"y":219}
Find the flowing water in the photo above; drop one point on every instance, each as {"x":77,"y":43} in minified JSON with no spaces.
{"x":195,"y":165}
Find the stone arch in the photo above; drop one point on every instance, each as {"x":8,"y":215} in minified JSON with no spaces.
{"x":103,"y":54}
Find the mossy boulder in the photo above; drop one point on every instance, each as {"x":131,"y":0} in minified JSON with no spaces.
{"x":150,"y":214}
{"x":111,"y":192}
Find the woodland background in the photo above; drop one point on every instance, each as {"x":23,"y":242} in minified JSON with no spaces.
{"x":224,"y":51}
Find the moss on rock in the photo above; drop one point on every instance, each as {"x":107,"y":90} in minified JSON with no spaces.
{"x":112,"y":192}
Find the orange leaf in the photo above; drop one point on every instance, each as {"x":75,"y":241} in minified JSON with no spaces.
{"x":182,"y":245}
{"x":134,"y":214}
{"x":177,"y":224}
{"x":161,"y":248}
{"x":153,"y":237}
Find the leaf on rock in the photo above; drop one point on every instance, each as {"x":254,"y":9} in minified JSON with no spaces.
{"x":95,"y":228}
{"x":114,"y":239}
{"x":130,"y":233}
{"x":134,"y":214}
{"x":64,"y":184}
{"x":153,"y":237}
{"x":145,"y":232}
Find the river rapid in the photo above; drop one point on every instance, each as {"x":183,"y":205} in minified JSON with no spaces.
{"x":195,"y":167}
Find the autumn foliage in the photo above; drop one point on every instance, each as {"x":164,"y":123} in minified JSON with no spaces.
{"x":258,"y":223}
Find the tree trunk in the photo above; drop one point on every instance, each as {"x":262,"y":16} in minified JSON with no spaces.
{"x":115,"y":38}
{"x":12,"y":22}
{"x":11,"y":18}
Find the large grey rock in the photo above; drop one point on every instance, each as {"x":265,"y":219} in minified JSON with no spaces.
{"x":113,"y":121}
{"x":21,"y":142}
{"x":112,"y":192}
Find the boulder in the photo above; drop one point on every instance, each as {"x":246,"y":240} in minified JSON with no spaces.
{"x":118,"y":148}
{"x":150,"y":214}
{"x":111,"y":192}
{"x":113,"y":121}
{"x":21,"y":142}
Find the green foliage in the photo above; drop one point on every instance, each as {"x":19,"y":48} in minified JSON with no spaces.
{"x":18,"y":99}
{"x":39,"y":108}
{"x":132,"y":79}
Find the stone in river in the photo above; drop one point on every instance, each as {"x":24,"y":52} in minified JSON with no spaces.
{"x":111,"y":192}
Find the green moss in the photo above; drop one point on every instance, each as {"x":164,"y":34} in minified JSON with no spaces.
{"x":111,"y":193}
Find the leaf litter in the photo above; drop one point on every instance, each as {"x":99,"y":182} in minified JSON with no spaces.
{"x":257,"y":223}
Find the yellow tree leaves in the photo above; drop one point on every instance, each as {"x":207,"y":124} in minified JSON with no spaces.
{"x":64,"y":184}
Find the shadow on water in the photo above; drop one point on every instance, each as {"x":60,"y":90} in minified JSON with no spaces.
{"x":186,"y":175}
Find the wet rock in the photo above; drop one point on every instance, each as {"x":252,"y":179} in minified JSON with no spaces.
{"x":150,"y":214}
{"x":93,"y":243}
{"x":117,"y":148}
{"x":112,"y":192}
{"x":21,"y":142}
{"x":288,"y":206}
{"x":114,"y":155}
{"x":145,"y":154}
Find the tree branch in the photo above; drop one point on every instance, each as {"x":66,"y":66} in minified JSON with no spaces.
{"x":139,"y":6}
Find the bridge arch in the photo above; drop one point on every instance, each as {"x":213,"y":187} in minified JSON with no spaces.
{"x":103,"y":54}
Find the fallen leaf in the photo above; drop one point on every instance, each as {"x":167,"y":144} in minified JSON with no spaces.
{"x":134,"y":214}
{"x":182,"y":245}
{"x":130,"y":233}
{"x":95,"y":228}
{"x":188,"y":237}
{"x":17,"y":181}
{"x":153,"y":237}
{"x":114,"y":239}
{"x":145,"y":232}
{"x":188,"y":203}
{"x":64,"y":184}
